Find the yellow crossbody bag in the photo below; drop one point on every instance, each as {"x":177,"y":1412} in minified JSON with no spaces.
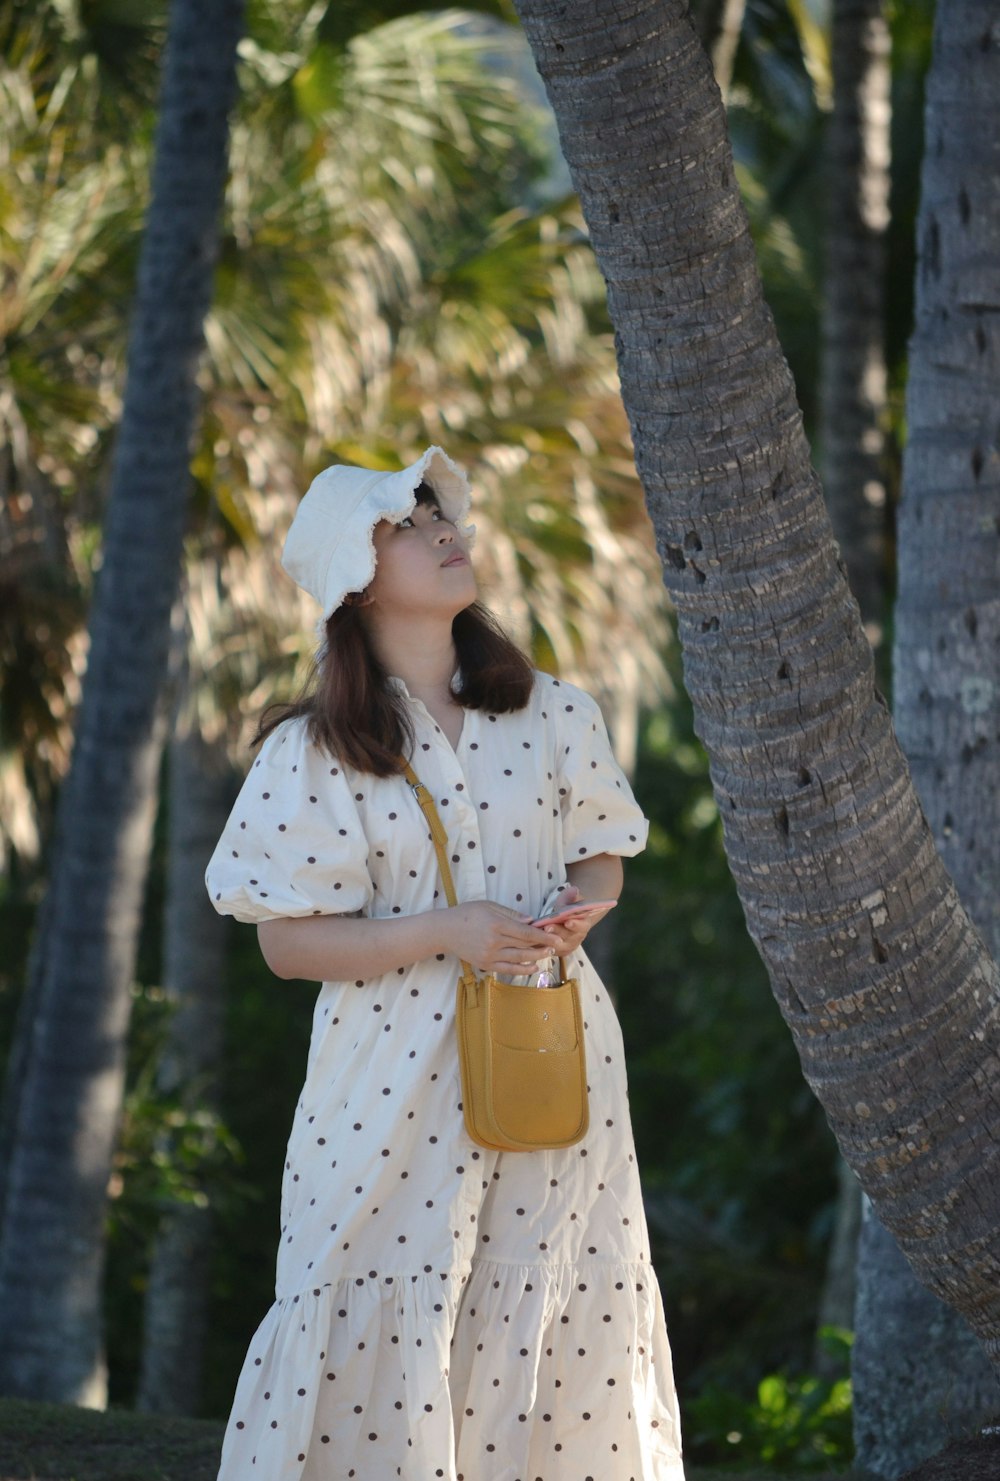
{"x":520,"y":1048}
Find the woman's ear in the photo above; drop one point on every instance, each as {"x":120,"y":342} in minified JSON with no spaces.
{"x":358,"y":598}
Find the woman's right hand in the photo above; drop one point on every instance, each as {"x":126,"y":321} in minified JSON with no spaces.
{"x":494,"y":938}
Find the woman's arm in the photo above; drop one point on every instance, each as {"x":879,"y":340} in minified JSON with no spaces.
{"x":598,"y":878}
{"x":345,"y":948}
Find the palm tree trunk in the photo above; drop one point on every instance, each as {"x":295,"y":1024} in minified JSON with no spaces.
{"x":947,"y":616}
{"x":853,"y":396}
{"x":946,"y":630}
{"x":52,"y":1252}
{"x":891,"y":996}
{"x":200,"y":793}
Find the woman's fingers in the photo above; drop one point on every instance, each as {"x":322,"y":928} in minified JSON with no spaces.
{"x":523,"y":931}
{"x":568,"y":936}
{"x":498,"y":938}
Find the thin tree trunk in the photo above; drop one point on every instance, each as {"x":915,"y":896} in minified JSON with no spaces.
{"x":947,"y":630}
{"x":837,"y":1298}
{"x":726,"y":44}
{"x":200,"y":796}
{"x":853,"y":395}
{"x":52,"y":1252}
{"x":891,"y":996}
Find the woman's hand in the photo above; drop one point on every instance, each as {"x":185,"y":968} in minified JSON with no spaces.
{"x":494,"y":938}
{"x":567,"y":937}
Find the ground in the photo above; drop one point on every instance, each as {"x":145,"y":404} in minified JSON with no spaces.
{"x":53,"y":1442}
{"x":965,"y":1460}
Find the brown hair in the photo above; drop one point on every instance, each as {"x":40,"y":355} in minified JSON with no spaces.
{"x":354,"y":713}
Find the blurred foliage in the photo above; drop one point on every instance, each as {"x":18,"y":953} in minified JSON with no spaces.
{"x":800,"y":1424}
{"x":228,"y":1163}
{"x":398,"y":266}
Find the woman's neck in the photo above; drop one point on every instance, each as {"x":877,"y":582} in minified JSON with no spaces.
{"x":421,"y":653}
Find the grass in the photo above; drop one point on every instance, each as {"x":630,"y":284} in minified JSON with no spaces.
{"x":55,"y":1442}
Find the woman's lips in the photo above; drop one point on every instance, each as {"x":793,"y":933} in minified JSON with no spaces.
{"x":458,"y":559}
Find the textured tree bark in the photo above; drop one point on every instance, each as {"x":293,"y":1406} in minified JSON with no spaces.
{"x":853,"y":389}
{"x":891,"y":996}
{"x":201,"y":794}
{"x":52,"y":1253}
{"x":947,"y":629}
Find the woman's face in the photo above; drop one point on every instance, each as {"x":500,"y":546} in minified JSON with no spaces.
{"x":422,"y":565}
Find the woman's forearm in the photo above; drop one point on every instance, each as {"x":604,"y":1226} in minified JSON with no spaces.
{"x":345,"y":948}
{"x":598,"y":878}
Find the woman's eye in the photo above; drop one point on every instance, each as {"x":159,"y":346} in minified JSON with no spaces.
{"x":406,"y":522}
{"x":408,"y":518}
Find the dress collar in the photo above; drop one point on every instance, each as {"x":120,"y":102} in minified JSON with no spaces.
{"x":395,"y":682}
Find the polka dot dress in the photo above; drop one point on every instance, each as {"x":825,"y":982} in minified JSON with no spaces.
{"x":443,"y":1310}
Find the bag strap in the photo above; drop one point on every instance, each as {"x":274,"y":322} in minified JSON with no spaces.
{"x":438,"y":836}
{"x":440,"y":840}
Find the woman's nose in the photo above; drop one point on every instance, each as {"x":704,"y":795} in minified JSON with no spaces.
{"x":443,"y":534}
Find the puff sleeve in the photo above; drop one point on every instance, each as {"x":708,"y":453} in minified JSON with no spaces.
{"x":599,"y":813}
{"x":294,"y":844}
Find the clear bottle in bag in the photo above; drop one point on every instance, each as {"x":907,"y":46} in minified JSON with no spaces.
{"x":547,"y":977}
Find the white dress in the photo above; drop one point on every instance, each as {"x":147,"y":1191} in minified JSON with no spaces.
{"x":442,"y":1310}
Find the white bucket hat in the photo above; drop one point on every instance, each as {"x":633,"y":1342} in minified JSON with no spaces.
{"x":329,"y":550}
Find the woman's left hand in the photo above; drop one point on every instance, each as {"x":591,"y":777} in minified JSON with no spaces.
{"x":568,"y":936}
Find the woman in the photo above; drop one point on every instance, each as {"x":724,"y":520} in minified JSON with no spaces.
{"x":442,"y":1310}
